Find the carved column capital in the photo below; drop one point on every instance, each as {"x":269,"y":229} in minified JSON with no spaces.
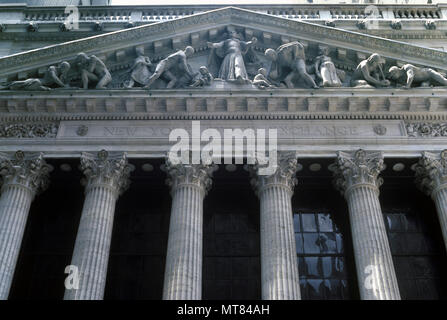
{"x":199,"y":175}
{"x":284,"y":174}
{"x":27,"y":170}
{"x":357,"y":168}
{"x":431,"y":172}
{"x":110,"y":171}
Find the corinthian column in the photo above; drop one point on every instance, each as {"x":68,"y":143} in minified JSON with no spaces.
{"x":107,"y":177}
{"x":23,"y":176}
{"x":279,"y":267}
{"x":431,"y":177}
{"x":183,"y":274}
{"x":356,"y":176}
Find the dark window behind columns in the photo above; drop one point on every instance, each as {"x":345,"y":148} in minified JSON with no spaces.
{"x":414,"y":234}
{"x":50,"y":235}
{"x":322,"y":234}
{"x":140,"y":235}
{"x":231,"y":253}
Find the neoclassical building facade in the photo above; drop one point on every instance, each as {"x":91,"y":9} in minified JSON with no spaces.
{"x":350,"y":111}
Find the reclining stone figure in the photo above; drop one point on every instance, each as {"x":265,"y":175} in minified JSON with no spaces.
{"x":55,"y":76}
{"x":410,"y":75}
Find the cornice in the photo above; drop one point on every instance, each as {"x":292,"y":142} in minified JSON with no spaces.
{"x":415,"y":104}
{"x":230,"y":15}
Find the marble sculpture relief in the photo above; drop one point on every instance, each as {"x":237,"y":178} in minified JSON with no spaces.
{"x":231,"y":59}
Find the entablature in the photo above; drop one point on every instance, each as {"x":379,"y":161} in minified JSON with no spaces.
{"x":340,"y":103}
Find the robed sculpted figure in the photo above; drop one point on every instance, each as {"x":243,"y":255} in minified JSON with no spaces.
{"x":140,"y":71}
{"x":227,"y":57}
{"x":325,"y":69}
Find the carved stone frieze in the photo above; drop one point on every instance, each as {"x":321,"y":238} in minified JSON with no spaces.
{"x":28,"y":170}
{"x":426,"y":129}
{"x":357,"y":168}
{"x":29,"y":130}
{"x":220,"y":16}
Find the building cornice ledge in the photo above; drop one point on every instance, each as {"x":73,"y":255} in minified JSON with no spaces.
{"x":225,"y":16}
{"x":341,"y":103}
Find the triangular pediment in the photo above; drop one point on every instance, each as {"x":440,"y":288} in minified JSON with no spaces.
{"x":117,"y":49}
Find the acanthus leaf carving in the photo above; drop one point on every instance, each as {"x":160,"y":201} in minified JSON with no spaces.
{"x":431,"y":171}
{"x":426,"y":129}
{"x":180,"y":174}
{"x":284,"y":173}
{"x":108,"y":170}
{"x":29,"y":130}
{"x":357,"y":168}
{"x":27,"y":170}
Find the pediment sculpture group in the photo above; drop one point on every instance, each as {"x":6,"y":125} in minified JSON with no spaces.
{"x":287,"y":68}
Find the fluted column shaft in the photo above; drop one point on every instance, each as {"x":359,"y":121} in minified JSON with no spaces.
{"x":440,"y":199}
{"x":279,"y":267}
{"x":356,"y":175}
{"x":431,"y":177}
{"x":22,"y":179}
{"x":107,"y":178}
{"x":373,"y":259}
{"x":183,"y":273}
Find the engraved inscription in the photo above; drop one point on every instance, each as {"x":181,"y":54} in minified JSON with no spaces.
{"x":287,"y":129}
{"x":319,"y":131}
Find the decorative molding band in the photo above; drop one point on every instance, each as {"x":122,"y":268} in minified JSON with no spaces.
{"x":412,"y":105}
{"x":29,"y":130}
{"x":426,"y":129}
{"x":15,"y":118}
{"x":373,"y":43}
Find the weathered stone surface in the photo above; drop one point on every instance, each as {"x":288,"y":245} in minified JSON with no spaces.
{"x":431,"y":177}
{"x":279,"y":267}
{"x":107,"y":176}
{"x":356,"y":176}
{"x":29,"y":130}
{"x":183,"y":272}
{"x":23,"y":176}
